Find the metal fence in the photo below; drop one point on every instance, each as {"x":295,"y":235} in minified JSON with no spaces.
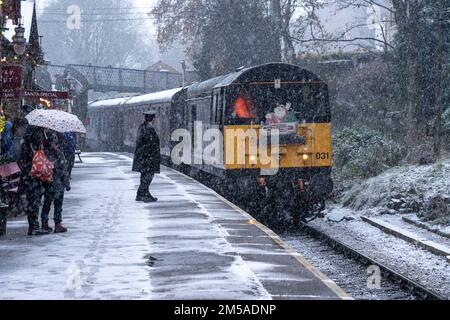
{"x":105,"y":79}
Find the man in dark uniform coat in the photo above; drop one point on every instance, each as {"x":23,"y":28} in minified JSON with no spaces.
{"x":147,"y":157}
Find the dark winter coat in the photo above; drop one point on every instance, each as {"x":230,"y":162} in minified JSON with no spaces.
{"x":147,"y":157}
{"x":21,"y":131}
{"x":52,"y":149}
{"x":33,"y":139}
{"x":7,"y":140}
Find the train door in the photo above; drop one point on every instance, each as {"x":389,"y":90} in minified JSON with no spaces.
{"x":192,"y":120}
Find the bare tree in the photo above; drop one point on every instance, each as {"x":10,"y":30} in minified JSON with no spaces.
{"x":409,"y":19}
{"x":104,"y":37}
{"x":311,"y":33}
{"x":282,"y":12}
{"x":220,"y":35}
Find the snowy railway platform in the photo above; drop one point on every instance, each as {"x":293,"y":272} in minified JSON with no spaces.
{"x":192,"y":244}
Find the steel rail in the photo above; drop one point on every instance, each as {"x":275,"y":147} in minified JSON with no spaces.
{"x":403,"y":281}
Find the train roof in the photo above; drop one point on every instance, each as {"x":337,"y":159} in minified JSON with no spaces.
{"x":200,"y":88}
{"x":151,"y":98}
{"x":108,"y":102}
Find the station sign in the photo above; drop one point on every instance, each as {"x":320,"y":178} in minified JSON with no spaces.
{"x":11,"y":81}
{"x":11,"y":86}
{"x":49,"y":95}
{"x":30,"y":94}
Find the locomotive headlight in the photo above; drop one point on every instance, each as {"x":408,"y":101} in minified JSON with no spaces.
{"x":305,"y":157}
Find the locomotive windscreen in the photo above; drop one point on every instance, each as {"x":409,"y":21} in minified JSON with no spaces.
{"x":270,"y":104}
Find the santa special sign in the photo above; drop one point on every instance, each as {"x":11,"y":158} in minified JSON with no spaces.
{"x":45,"y":94}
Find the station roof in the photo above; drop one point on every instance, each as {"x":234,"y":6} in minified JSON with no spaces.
{"x":161,"y":66}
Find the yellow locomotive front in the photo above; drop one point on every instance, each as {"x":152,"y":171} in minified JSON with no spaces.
{"x":277,"y":139}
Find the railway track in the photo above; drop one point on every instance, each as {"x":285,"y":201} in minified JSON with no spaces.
{"x":406,"y":284}
{"x":396,"y":278}
{"x":401,"y":280}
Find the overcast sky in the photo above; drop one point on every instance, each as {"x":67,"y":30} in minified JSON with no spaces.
{"x":41,"y":4}
{"x":173,"y":56}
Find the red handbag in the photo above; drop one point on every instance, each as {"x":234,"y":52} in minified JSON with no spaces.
{"x":41,"y":167}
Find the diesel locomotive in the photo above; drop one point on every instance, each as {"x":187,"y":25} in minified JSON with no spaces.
{"x":265,"y":131}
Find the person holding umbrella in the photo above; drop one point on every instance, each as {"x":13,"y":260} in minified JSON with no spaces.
{"x":147,"y":157}
{"x":40,"y":122}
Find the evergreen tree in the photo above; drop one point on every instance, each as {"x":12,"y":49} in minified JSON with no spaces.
{"x":221,"y":35}
{"x":420,"y":48}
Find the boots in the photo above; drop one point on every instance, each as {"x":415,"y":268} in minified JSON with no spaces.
{"x":59,"y":228}
{"x":33,"y":231}
{"x":46,"y":228}
{"x":149,"y":199}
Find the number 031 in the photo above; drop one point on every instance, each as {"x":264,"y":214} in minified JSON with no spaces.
{"x":322,"y":156}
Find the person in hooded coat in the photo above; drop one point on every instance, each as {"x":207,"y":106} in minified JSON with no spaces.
{"x":54,"y":191}
{"x":31,"y":189}
{"x":147,"y":157}
{"x":20,"y":130}
{"x":68,"y":146}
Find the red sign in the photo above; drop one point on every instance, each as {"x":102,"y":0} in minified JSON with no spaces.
{"x":9,"y":94}
{"x":11,"y":77}
{"x":45,"y":94}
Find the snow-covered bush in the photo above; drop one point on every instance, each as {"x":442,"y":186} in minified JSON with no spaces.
{"x":364,"y":153}
{"x":437,"y":210}
{"x":423,"y":190}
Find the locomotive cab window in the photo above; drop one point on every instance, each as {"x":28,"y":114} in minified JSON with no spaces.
{"x":266,"y":104}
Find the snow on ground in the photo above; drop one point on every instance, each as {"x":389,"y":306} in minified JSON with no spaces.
{"x":191,"y":244}
{"x":427,"y":180}
{"x":106,"y":253}
{"x":102,"y":255}
{"x":350,"y":275}
{"x":379,"y":196}
{"x":416,"y":263}
{"x":420,"y":190}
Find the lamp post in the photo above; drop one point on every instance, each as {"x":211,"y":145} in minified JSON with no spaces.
{"x":183,"y":66}
{"x":72,"y":89}
{"x":19,"y":40}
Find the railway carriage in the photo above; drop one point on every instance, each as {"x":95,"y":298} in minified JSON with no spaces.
{"x":277,"y":102}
